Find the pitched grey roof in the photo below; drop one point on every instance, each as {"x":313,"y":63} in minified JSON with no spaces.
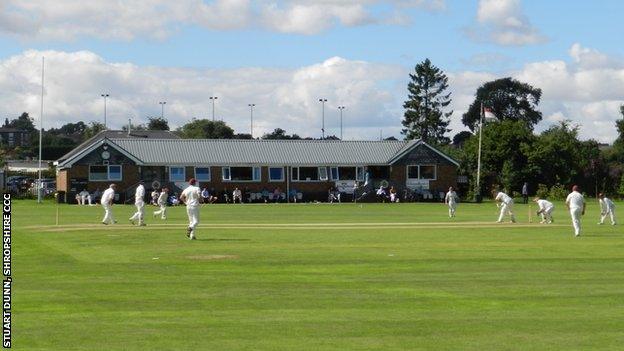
{"x":118,"y":134}
{"x":265,"y":152}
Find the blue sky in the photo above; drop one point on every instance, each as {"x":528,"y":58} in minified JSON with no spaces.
{"x":270,"y":48}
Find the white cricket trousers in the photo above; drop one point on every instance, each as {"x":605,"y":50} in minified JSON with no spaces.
{"x":452,"y":207}
{"x":139,"y":215}
{"x":547,"y":214}
{"x":576,"y":213}
{"x":506,"y":209}
{"x":610,"y":213}
{"x":162,"y":212}
{"x":108,"y":214}
{"x":193,"y":216}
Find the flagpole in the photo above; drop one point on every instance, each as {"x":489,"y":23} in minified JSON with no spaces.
{"x":478,"y":197}
{"x":39,"y":189}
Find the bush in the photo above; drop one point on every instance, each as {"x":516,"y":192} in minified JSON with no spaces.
{"x":542,"y":191}
{"x":558,"y":192}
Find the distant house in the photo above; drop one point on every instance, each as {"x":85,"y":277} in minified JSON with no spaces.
{"x":309,"y":166}
{"x":12,"y":137}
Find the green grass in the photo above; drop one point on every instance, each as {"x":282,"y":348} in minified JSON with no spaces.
{"x":375,"y":280}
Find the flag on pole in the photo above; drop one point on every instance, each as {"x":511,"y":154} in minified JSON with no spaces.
{"x":488,"y":115}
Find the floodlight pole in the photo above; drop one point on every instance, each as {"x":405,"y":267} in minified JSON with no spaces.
{"x":105,"y":96}
{"x":341,"y":108}
{"x":162,"y":109}
{"x":323,"y":101}
{"x":478,"y":183}
{"x":251,"y":107}
{"x":213,"y":99}
{"x":39,"y":186}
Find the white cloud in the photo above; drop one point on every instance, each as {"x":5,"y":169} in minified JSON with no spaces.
{"x":125,"y":20}
{"x":504,"y":23}
{"x":285,"y":98}
{"x":589,"y":95}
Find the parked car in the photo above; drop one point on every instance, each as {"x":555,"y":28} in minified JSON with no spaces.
{"x":47,"y":184}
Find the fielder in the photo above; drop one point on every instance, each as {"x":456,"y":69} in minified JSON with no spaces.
{"x":451,"y":200}
{"x":506,"y":206}
{"x":545,"y":208}
{"x":607,"y":207}
{"x":162,"y":202}
{"x":107,"y":202}
{"x":139,"y":202}
{"x":576,"y":204}
{"x":191,"y":196}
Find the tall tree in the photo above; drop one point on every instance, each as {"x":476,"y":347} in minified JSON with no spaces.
{"x":24,"y":122}
{"x":427,"y":99}
{"x":619,"y":124}
{"x":157,"y":123}
{"x":508,"y":99}
{"x":205,"y":129}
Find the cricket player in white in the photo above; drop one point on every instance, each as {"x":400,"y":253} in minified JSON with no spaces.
{"x":607,"y":207}
{"x":107,"y":202}
{"x":545,"y":208}
{"x":162,"y":202}
{"x":451,"y":199}
{"x":139,"y":202}
{"x":191,"y":196}
{"x":576,"y":204}
{"x":506,"y":206}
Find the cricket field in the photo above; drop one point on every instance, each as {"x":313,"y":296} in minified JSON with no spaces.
{"x":315,"y":277}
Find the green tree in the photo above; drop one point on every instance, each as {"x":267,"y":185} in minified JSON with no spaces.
{"x":427,"y":99}
{"x":503,"y":156}
{"x":206,"y":129}
{"x":157,"y":123}
{"x":508,"y":99}
{"x":557,"y":155}
{"x":23,"y":122}
{"x":93,"y":128}
{"x":280,"y":134}
{"x":460,"y":138}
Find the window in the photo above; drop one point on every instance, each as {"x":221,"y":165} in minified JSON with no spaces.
{"x":276,"y":174}
{"x":360,"y":174}
{"x":428,"y":172}
{"x":202,"y":174}
{"x":105,"y":173}
{"x":309,"y":174}
{"x":334,"y":173}
{"x":412,"y":172}
{"x":177,"y":174}
{"x":241,"y":174}
{"x":424,"y":172}
{"x":347,"y":173}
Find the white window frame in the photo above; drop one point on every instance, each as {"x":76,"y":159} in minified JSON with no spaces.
{"x":183,"y":173}
{"x":321,"y":172}
{"x":435,"y":171}
{"x":209,"y":174}
{"x":255,"y":170}
{"x":108,"y":173}
{"x":276,"y":180}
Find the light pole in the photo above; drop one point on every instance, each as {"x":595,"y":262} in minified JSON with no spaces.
{"x":478,"y":196}
{"x":251,"y":107}
{"x":341,"y":108}
{"x":213,"y":99}
{"x":162,"y":109}
{"x":105,"y":96}
{"x":323,"y":101}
